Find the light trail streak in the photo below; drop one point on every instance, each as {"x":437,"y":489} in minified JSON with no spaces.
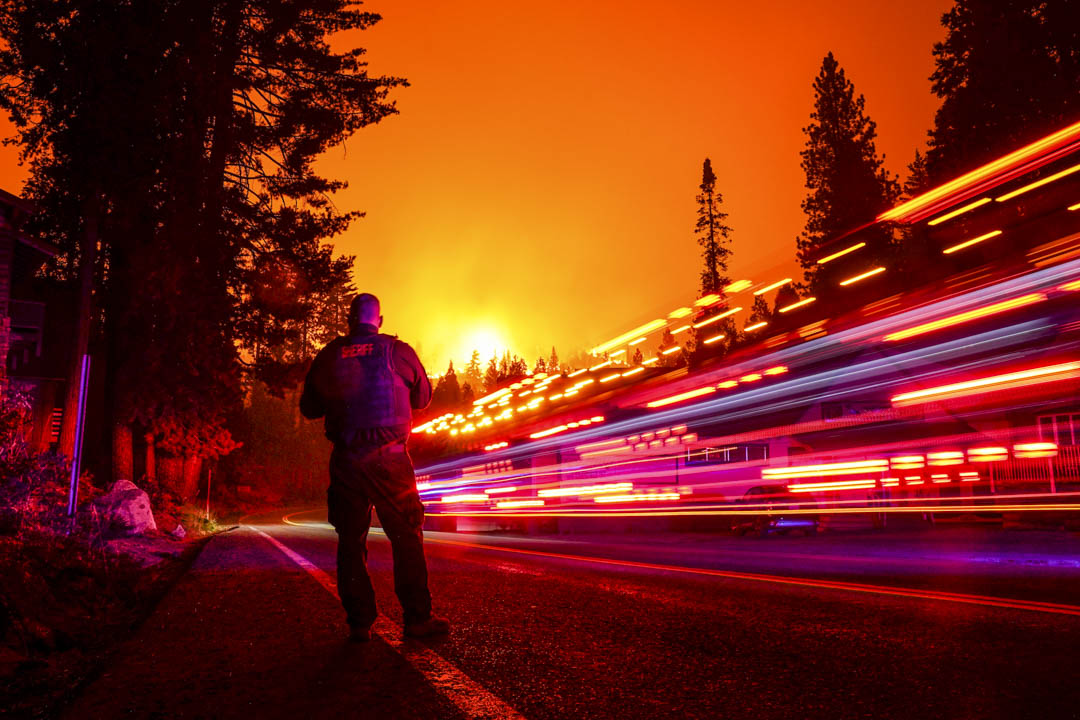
{"x":715,"y":318}
{"x":826,"y":469}
{"x":519,"y":503}
{"x":637,"y":497}
{"x":796,"y":305}
{"x":1038,"y":183}
{"x":680,"y":313}
{"x":950,"y":215}
{"x":737,"y":286}
{"x":842,"y":253}
{"x":835,"y":485}
{"x":946,"y":457}
{"x":714,"y":338}
{"x":1014,"y":161}
{"x":635,"y":371}
{"x":587,"y":490}
{"x":638,"y":341}
{"x":604,"y":364}
{"x":706,"y":300}
{"x":972,"y":241}
{"x":500,"y":490}
{"x":681,"y":396}
{"x":464,"y":498}
{"x":944,"y":596}
{"x":622,"y":339}
{"x":670,"y":350}
{"x":863,"y":276}
{"x":755,"y":326}
{"x":775,"y":285}
{"x":1035,"y":450}
{"x":651,"y":361}
{"x":1050,"y":373}
{"x":987,"y":454}
{"x":964,"y":317}
{"x":609,"y":378}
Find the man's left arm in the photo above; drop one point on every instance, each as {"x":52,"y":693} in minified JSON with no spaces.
{"x":408,"y":365}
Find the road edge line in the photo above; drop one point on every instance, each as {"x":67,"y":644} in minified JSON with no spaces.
{"x":469,"y":696}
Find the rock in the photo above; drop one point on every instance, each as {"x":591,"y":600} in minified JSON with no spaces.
{"x":126,"y":509}
{"x":178,"y":532}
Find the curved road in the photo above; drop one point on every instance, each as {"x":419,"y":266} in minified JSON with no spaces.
{"x":961,"y":623}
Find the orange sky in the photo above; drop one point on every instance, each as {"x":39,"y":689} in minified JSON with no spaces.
{"x":538,"y":186}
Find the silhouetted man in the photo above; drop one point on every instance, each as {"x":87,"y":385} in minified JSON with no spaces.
{"x":366,"y":385}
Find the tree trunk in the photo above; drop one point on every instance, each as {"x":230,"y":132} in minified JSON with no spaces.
{"x":151,"y":464}
{"x":171,"y":473}
{"x":192,"y":470}
{"x":123,"y":461}
{"x":87,"y":260}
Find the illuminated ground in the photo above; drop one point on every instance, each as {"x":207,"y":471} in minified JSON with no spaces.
{"x":960,"y":622}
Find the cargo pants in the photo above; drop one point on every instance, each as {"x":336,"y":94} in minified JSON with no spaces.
{"x":383,"y":478}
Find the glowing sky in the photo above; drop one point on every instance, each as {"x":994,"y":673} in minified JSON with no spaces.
{"x":537,"y":188}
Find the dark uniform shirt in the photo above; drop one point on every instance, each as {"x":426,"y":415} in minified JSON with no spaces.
{"x":406,"y":364}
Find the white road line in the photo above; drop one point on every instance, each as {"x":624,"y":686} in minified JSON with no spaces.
{"x":469,"y":696}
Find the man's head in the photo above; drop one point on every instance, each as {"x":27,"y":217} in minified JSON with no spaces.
{"x":364,"y":310}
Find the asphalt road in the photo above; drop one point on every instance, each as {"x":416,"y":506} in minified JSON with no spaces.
{"x":961,"y":623}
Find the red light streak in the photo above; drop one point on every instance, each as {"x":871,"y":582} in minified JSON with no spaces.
{"x":969,"y":476}
{"x":1050,"y":373}
{"x":947,"y":457}
{"x":775,"y":285}
{"x":519,"y":503}
{"x":1038,"y":183}
{"x":944,"y":596}
{"x":972,"y":241}
{"x":908,"y":211}
{"x":834,"y":485}
{"x":636,"y":497}
{"x":842,"y":468}
{"x":939,"y":479}
{"x":987,"y":454}
{"x":863,"y":276}
{"x":966,"y":316}
{"x":563,"y":428}
{"x":587,"y":490}
{"x":890,"y":482}
{"x":714,"y":318}
{"x":949,"y":216}
{"x":907,"y":462}
{"x":842,"y":253}
{"x":1035,"y":450}
{"x":682,"y":396}
{"x":795,"y":305}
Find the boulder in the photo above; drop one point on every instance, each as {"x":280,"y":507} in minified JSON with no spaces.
{"x":125,"y":509}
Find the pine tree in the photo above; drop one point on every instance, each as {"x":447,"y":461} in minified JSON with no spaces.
{"x":541,"y":366}
{"x":447,"y":392}
{"x":712,"y":234}
{"x":759,"y":311}
{"x":638,"y":357}
{"x":491,"y":375}
{"x":918,"y":178}
{"x":553,"y":361}
{"x":474,"y":371}
{"x":467,"y":394}
{"x":847,"y":182}
{"x":1007,"y":73}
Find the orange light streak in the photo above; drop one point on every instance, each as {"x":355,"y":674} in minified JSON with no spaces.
{"x":678,"y":330}
{"x":635,"y":371}
{"x":622,"y":339}
{"x":1035,"y":376}
{"x":714,"y":318}
{"x":670,"y":350}
{"x":949,"y":216}
{"x":857,"y":278}
{"x":737,"y":286}
{"x":682,"y":396}
{"x":587,"y":490}
{"x":637,"y":497}
{"x":799,"y":304}
{"x":755,"y":326}
{"x":1075,"y":207}
{"x":825,"y":469}
{"x":842,"y":253}
{"x":680,"y":313}
{"x":947,"y":457}
{"x":638,"y":341}
{"x":519,"y":504}
{"x":1038,"y":183}
{"x":604,"y":364}
{"x":714,"y":338}
{"x":1035,"y":450}
{"x":966,"y":316}
{"x":710,"y":299}
{"x":775,"y":285}
{"x":651,"y":360}
{"x":1012,"y":160}
{"x":834,"y":485}
{"x":969,"y":243}
{"x":609,"y":378}
{"x":577,"y":372}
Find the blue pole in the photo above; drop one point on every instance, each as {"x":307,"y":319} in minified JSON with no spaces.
{"x":80,"y":420}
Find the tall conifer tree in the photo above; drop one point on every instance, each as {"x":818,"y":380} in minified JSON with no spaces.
{"x":847,"y":182}
{"x":712,"y":233}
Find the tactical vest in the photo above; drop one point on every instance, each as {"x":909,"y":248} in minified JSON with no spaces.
{"x":362,"y":387}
